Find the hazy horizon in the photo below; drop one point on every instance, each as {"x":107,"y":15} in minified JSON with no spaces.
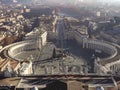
{"x":62,"y":1}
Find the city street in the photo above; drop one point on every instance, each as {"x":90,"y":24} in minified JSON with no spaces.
{"x":75,"y":61}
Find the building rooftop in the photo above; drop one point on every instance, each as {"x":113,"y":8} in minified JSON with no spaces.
{"x":32,"y":83}
{"x":10,"y":81}
{"x":14,"y":63}
{"x":2,"y":37}
{"x":33,"y":34}
{"x":3,"y":64}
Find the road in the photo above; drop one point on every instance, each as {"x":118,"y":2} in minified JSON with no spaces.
{"x":73,"y":63}
{"x":60,"y":33}
{"x":70,"y":64}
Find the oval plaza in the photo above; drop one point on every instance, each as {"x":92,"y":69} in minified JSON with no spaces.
{"x":29,"y":48}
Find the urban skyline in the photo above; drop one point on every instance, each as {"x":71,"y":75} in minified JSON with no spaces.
{"x":59,"y":45}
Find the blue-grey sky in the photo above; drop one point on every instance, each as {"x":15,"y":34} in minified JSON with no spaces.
{"x":66,"y":1}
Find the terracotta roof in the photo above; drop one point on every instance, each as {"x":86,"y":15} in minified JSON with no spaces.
{"x":2,"y":37}
{"x":10,"y":81}
{"x":3,"y":62}
{"x":14,"y":64}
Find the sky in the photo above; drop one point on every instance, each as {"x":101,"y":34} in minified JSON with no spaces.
{"x":73,"y":1}
{"x":68,"y":1}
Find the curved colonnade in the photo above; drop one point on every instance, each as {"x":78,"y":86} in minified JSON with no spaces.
{"x":101,"y":46}
{"x":102,"y":66}
{"x":22,"y":47}
{"x":106,"y":65}
{"x":16,"y":48}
